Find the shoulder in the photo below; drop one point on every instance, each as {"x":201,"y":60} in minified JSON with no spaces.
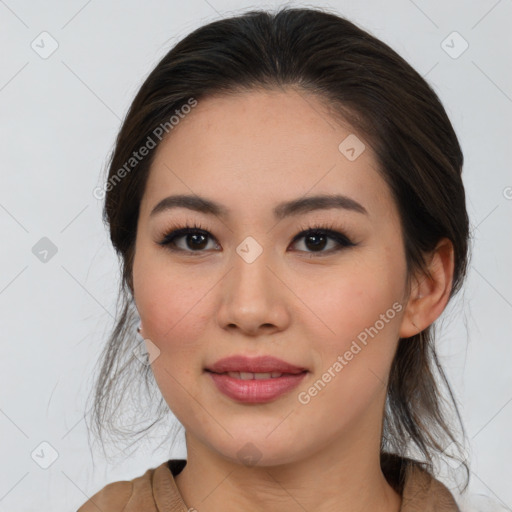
{"x":423,"y":490}
{"x":116,"y":496}
{"x":419,"y":489}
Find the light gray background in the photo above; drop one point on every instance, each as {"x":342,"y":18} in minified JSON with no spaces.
{"x":59,"y":117}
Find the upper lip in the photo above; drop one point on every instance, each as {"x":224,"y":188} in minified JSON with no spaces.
{"x":261,"y":364}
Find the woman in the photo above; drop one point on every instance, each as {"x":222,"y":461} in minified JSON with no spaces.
{"x":286,"y":197}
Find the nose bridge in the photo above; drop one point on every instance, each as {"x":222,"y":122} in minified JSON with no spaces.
{"x":250,"y":296}
{"x":251,"y":275}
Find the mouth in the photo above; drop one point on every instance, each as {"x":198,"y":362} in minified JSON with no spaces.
{"x":255,"y":376}
{"x":255,"y":380}
{"x":262,"y":367}
{"x":254,"y":388}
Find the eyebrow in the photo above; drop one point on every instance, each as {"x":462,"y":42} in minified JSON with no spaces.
{"x":282,"y":210}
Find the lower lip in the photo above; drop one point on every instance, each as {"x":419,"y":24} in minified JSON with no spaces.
{"x":256,"y":390}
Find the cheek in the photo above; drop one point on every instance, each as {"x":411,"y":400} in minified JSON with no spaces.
{"x":358,"y":333}
{"x":348,"y":302}
{"x":356,"y":342}
{"x":171,"y":305}
{"x":173,"y":315}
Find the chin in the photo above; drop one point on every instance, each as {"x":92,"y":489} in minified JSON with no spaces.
{"x":258,"y":450}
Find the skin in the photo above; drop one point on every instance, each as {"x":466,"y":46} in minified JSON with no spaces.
{"x":250,"y":151}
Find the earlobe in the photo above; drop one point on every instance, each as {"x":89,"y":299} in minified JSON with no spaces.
{"x":409,"y":326}
{"x":430,"y":293}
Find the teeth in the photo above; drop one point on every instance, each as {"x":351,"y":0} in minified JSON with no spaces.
{"x":256,"y":376}
{"x":259,"y":376}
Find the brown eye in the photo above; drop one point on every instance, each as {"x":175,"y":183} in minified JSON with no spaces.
{"x":316,"y":239}
{"x":194,"y":240}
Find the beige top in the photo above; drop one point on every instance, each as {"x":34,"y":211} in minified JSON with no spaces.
{"x":156,"y":490}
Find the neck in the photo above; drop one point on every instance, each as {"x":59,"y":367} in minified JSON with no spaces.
{"x":341,"y":477}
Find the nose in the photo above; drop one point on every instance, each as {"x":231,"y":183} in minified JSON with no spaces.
{"x":253,"y":297}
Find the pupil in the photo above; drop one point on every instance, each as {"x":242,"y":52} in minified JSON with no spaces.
{"x":316,"y":245}
{"x":195,"y":238}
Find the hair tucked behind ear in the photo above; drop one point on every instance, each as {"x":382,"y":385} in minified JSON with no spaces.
{"x":363,"y":82}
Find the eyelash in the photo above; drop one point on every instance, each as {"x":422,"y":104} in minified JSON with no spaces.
{"x":178,"y":231}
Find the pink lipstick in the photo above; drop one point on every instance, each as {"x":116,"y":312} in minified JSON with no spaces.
{"x":255,"y":379}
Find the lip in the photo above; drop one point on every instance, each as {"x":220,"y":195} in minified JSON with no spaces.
{"x":255,"y":390}
{"x":261,"y":364}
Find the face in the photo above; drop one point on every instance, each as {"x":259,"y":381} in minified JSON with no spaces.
{"x":243,"y":283}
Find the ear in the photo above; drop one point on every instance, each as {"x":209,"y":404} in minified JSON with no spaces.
{"x":429,"y":295}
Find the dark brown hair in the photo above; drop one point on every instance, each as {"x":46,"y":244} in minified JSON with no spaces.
{"x":362,"y":81}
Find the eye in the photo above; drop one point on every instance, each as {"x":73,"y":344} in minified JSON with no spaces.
{"x":316,"y":237}
{"x":194,"y":240}
{"x":195,"y":237}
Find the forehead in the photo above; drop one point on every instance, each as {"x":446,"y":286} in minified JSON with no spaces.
{"x":254,"y":149}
